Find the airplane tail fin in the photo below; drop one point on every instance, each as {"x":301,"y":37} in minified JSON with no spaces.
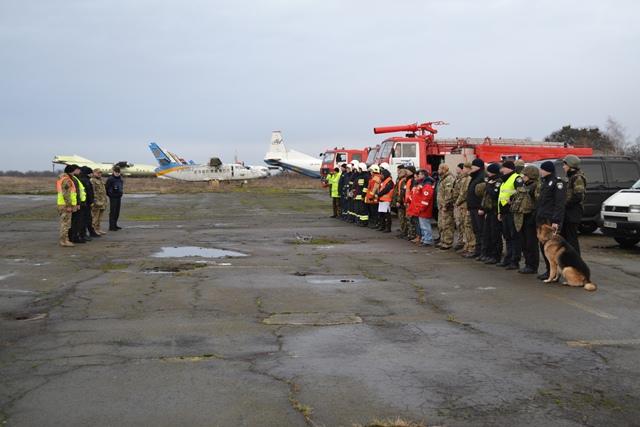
{"x":161,"y":156}
{"x":277,"y":149}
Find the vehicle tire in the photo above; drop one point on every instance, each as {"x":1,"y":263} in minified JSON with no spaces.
{"x":627,"y":242}
{"x":587,"y":227}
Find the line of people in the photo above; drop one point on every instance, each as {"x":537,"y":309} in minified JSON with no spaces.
{"x":487,"y":212}
{"x":82,"y":199}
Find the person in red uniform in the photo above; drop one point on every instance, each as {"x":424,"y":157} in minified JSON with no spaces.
{"x":421,"y":206}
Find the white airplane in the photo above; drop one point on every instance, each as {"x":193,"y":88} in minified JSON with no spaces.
{"x":279,"y":155}
{"x":127,"y":169}
{"x":174,"y":167}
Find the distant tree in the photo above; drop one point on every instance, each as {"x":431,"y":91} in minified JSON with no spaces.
{"x":617,"y":135}
{"x":633,"y":149}
{"x":586,"y":137}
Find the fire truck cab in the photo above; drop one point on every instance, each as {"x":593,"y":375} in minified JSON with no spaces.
{"x":419,"y":148}
{"x":335,"y":157}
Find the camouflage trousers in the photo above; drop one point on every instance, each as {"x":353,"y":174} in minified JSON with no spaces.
{"x":446,"y":227}
{"x":412,"y":231}
{"x":65,"y":223}
{"x":458,"y":219}
{"x":402,"y":219}
{"x":466,"y":230}
{"x":96,"y":216}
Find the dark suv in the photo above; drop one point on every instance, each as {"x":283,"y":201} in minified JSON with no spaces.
{"x":605,"y":176}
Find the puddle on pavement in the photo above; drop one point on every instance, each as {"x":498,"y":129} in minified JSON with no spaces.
{"x":324,"y":280}
{"x":144,"y":227}
{"x":195,"y":251}
{"x":312,"y":319}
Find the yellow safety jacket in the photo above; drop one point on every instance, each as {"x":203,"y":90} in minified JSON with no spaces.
{"x":83,"y":194}
{"x":507,"y":189}
{"x":333,"y":180}
{"x":72,"y":194}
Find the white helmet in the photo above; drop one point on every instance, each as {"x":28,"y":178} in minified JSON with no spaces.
{"x":375,"y":168}
{"x":354,"y":163}
{"x":384,"y":165}
{"x":362,"y":166}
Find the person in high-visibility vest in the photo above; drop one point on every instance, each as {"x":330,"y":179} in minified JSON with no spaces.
{"x":332,"y":179}
{"x":511,"y":258}
{"x":371,"y":199}
{"x":67,"y":202}
{"x":384,"y":200}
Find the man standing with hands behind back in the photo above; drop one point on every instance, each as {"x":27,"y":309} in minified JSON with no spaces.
{"x":550,"y":206}
{"x":115,"y":190}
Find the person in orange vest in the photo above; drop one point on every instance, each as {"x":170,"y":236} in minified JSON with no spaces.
{"x":384,"y":201}
{"x":371,"y":199}
{"x":67,"y":202}
{"x":421,"y":207}
{"x":411,"y":223}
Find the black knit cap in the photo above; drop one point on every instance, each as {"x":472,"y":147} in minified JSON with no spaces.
{"x":478,"y":162}
{"x":70,"y":168}
{"x":86,"y":170}
{"x":493,"y":168}
{"x":411,"y":168}
{"x":509,"y":165}
{"x":548,"y":166}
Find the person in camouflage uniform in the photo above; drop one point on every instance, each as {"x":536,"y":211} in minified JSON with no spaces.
{"x":466,"y":228}
{"x":99,"y":201}
{"x":574,"y":206}
{"x":446,"y":202}
{"x":457,"y":214}
{"x":398,"y":200}
{"x":492,"y":229}
{"x":523,"y":206}
{"x":67,"y":203}
{"x":519,"y":165}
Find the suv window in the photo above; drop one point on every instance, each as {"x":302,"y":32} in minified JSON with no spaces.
{"x":623,"y":174}
{"x":593,"y":173}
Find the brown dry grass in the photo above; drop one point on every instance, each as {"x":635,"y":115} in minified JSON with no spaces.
{"x":44,"y":185}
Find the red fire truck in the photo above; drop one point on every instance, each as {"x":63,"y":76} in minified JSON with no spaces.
{"x":333,"y":158}
{"x":420,"y":148}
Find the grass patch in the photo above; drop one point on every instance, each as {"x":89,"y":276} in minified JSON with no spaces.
{"x":319,"y":241}
{"x":305,"y":410}
{"x":112,"y":266}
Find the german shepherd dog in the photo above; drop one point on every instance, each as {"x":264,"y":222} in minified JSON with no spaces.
{"x":564,"y":260}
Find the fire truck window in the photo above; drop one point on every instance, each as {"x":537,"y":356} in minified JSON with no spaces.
{"x":385,"y":150}
{"x":408,"y":150}
{"x":371,"y":157}
{"x":328,"y":158}
{"x":593,"y":172}
{"x":623,"y":174}
{"x":357,"y":157}
{"x":341,"y":157}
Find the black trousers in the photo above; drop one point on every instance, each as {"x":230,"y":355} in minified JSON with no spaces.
{"x":87,"y":221}
{"x":491,"y":235}
{"x":343,"y":206}
{"x":570,"y":233}
{"x":511,"y":239}
{"x":114,"y":211}
{"x":374,"y":217}
{"x":477,"y":223}
{"x":76,"y":225}
{"x":529,"y":241}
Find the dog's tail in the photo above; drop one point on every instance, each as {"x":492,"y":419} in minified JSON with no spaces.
{"x":590,"y":286}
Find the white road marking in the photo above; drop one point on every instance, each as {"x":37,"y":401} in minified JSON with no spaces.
{"x":582,"y":307}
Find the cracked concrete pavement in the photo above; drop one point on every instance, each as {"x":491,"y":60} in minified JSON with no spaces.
{"x":351,"y":326}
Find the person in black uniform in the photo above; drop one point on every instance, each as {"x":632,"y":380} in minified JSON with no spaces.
{"x":115,"y":190}
{"x":475,"y":192}
{"x":362,"y":181}
{"x":492,"y":229}
{"x":85,"y":177}
{"x":342,"y":184}
{"x":76,"y":217}
{"x":550,"y":205}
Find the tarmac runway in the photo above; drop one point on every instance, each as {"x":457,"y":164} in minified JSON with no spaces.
{"x":311,"y":321}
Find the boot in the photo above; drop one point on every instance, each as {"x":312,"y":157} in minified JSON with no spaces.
{"x":387,"y":224}
{"x":66,"y":243}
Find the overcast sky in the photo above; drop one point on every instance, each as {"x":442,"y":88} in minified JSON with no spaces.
{"x":103,"y":78}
